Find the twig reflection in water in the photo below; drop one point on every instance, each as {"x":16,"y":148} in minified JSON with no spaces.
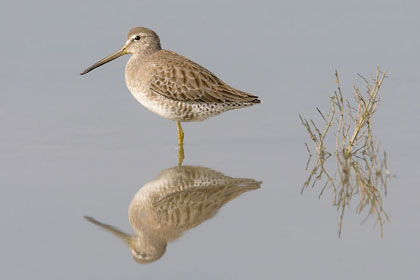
{"x":179,"y":199}
{"x":360,"y":168}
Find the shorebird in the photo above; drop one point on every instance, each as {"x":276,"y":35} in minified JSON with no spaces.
{"x":171,"y":85}
{"x":178,"y":200}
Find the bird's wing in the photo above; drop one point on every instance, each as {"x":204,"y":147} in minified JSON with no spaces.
{"x":180,"y":79}
{"x":190,"y":207}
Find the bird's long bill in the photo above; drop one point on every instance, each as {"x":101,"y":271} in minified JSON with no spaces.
{"x":107,"y":59}
{"x":124,"y":236}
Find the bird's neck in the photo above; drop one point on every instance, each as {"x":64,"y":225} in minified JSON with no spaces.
{"x":145,"y":53}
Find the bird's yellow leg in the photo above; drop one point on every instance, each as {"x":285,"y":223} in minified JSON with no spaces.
{"x":180,"y":143}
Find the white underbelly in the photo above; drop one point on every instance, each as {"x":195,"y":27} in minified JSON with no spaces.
{"x":175,"y":110}
{"x":156,"y":105}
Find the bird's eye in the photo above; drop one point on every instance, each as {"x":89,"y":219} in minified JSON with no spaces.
{"x":137,"y":38}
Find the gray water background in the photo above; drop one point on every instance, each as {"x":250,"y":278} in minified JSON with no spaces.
{"x":72,"y":146}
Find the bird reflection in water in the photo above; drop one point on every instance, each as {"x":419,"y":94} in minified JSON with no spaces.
{"x":179,"y":199}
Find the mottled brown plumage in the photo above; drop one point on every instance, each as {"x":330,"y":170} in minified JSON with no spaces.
{"x":171,"y":85}
{"x":178,"y":78}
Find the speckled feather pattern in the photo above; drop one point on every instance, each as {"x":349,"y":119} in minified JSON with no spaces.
{"x":183,"y":197}
{"x":176,"y":88}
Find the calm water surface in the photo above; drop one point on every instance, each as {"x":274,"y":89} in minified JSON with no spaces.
{"x":74,"y":146}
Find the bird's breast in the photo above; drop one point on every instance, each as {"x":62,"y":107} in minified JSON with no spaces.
{"x":137,"y":78}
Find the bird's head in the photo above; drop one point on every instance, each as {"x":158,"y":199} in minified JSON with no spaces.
{"x":141,"y":41}
{"x":145,"y":248}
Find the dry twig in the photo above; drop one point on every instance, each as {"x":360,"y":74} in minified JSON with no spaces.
{"x":359,"y":169}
